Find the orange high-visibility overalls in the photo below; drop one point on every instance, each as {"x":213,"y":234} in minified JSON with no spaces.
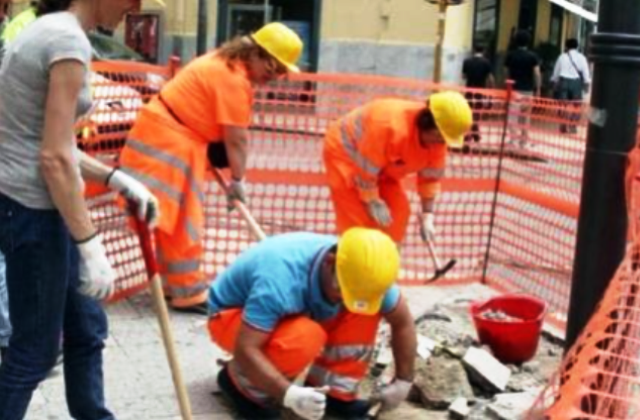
{"x":366,"y":155}
{"x":167,"y":151}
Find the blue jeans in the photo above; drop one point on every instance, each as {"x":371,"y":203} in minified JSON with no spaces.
{"x":5,"y":324}
{"x":42,"y":280}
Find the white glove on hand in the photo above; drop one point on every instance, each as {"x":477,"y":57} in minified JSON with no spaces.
{"x":427,"y":227}
{"x":134,"y":190}
{"x":379,"y":211}
{"x":395,"y":393}
{"x":235,"y":192}
{"x":96,"y":274}
{"x":308,"y":403}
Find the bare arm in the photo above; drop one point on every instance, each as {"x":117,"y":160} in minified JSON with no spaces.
{"x":235,"y":139}
{"x":404,"y":341}
{"x":93,"y":169}
{"x":537,"y":80}
{"x":255,"y":364}
{"x":491,"y":81}
{"x":56,"y":155}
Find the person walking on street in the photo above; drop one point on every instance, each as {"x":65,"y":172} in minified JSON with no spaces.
{"x":571,"y":77}
{"x":523,"y":67}
{"x":477,"y":73}
{"x":57,"y":269}
{"x":303,"y":300}
{"x":204,"y":111}
{"x":369,"y":151}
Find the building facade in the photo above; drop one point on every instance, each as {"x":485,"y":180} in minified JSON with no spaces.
{"x":384,"y":37}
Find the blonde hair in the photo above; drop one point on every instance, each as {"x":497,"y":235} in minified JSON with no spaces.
{"x":239,"y":49}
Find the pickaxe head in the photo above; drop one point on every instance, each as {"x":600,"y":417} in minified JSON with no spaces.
{"x":441,"y":271}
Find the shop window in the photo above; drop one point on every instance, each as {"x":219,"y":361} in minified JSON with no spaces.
{"x":485,"y":31}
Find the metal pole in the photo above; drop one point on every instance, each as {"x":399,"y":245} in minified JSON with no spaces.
{"x":203,"y":22}
{"x":602,"y":226}
{"x":442,"y":19}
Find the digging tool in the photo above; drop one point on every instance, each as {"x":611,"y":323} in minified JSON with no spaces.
{"x":163,"y":314}
{"x":441,"y":270}
{"x":254,"y":227}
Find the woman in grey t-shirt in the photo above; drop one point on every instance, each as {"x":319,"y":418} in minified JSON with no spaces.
{"x":57,"y":268}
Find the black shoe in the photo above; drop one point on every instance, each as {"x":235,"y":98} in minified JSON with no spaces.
{"x":248,"y":409}
{"x":198,"y":309}
{"x":347,"y":410}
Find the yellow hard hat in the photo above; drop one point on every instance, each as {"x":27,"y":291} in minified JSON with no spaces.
{"x":453,"y":116}
{"x":367,"y":264}
{"x":281,"y":42}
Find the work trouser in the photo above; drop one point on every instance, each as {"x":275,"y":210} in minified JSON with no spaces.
{"x":179,"y":267}
{"x":351,"y":211}
{"x":338,"y":351}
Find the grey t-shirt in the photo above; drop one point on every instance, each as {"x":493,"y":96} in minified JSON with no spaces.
{"x":24,"y":83}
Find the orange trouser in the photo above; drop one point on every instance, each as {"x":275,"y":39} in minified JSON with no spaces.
{"x":351,"y":211}
{"x":179,"y":265}
{"x":340,"y":350}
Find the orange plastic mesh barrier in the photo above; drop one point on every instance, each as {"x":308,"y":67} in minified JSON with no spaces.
{"x":600,"y":376}
{"x":507,"y":213}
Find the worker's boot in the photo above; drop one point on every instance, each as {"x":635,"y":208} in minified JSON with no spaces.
{"x":247,"y":408}
{"x":347,"y":410}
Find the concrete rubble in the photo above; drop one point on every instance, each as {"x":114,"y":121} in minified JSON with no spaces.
{"x":458,"y":378}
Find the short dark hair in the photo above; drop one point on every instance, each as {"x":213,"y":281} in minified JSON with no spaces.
{"x":51,"y":6}
{"x":571,"y":44}
{"x":478,"y":48}
{"x":523,"y":38}
{"x":425,"y":120}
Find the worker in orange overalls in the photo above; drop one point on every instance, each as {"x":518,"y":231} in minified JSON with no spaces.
{"x":368,"y":152}
{"x":204,"y":111}
{"x":304,"y":300}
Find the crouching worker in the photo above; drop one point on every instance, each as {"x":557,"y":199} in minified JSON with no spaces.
{"x":304,"y":300}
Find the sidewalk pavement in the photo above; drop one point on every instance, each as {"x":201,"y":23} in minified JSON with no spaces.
{"x":137,"y":376}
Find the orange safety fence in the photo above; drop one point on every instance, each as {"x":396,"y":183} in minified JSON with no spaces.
{"x":600,"y":375}
{"x":507,"y":213}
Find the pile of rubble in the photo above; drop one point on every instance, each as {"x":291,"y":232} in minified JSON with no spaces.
{"x":456,"y":377}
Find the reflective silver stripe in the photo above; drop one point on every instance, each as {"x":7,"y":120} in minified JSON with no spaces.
{"x":183,"y":267}
{"x":254,"y":392}
{"x":187,"y":292}
{"x":154,"y":184}
{"x":170,"y":160}
{"x":435,"y":173}
{"x":349,"y":145}
{"x":340,"y":383}
{"x":361,"y":353}
{"x":192,"y":231}
{"x":365,"y":185}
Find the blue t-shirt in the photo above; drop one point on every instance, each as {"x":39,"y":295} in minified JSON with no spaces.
{"x":280,"y":277}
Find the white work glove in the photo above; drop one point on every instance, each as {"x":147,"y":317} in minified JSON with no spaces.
{"x":427,"y":227}
{"x":134,"y":190}
{"x":308,"y":403}
{"x":235,"y":192}
{"x":379,"y":211}
{"x":395,"y":393}
{"x":96,"y":274}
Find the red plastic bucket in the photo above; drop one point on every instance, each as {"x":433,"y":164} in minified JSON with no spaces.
{"x":511,"y":341}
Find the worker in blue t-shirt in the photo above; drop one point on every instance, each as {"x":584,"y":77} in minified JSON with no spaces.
{"x":304,"y":300}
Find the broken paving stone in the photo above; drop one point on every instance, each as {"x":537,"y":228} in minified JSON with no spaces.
{"x":408,"y":411}
{"x":512,"y":406}
{"x":440,"y":381}
{"x":459,"y":410}
{"x":486,"y":371}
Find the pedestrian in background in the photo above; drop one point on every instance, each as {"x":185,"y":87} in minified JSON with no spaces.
{"x":523,"y":67}
{"x":571,"y":77}
{"x":477,"y":73}
{"x":57,"y":270}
